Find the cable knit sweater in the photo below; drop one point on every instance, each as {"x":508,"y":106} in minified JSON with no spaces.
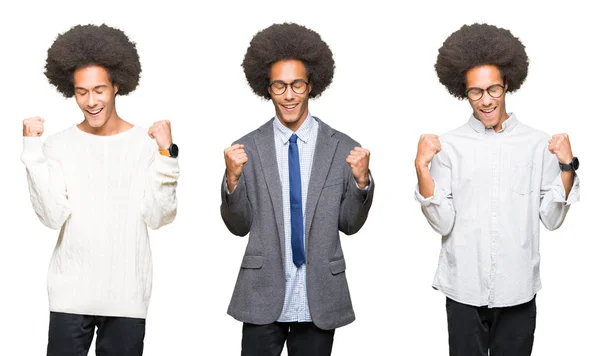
{"x":102,"y":192}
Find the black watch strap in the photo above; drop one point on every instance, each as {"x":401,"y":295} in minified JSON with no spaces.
{"x":572,"y":166}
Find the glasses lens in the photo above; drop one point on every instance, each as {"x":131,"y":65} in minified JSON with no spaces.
{"x":475,"y":94}
{"x":299,"y":86}
{"x":495,"y":91}
{"x":278,"y":87}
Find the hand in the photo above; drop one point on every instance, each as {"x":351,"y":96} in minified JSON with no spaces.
{"x":235,"y":158}
{"x":33,"y":127}
{"x":429,"y":146}
{"x":560,"y":145}
{"x":161,"y":132}
{"x":358,"y":159}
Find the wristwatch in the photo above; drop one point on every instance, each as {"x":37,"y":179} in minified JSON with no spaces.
{"x":571,"y":166}
{"x":172,"y":151}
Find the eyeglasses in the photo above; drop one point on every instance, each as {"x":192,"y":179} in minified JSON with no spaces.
{"x":495,"y":91}
{"x":279,"y":87}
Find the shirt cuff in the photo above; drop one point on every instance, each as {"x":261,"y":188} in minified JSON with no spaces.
{"x":32,"y":144}
{"x":434,"y":199}
{"x":227,"y":189}
{"x":366,"y":189}
{"x":559,"y":192}
{"x":167,"y":165}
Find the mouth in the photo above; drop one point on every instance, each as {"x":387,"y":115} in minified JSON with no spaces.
{"x":94,"y":113}
{"x":289,"y":107}
{"x":488,"y":112}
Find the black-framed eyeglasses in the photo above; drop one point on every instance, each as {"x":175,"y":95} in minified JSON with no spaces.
{"x":279,"y":87}
{"x":495,"y":91}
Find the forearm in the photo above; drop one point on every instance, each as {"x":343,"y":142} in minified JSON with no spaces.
{"x":436,"y":202}
{"x":557,"y":198}
{"x":425,"y":181}
{"x":567,"y":178}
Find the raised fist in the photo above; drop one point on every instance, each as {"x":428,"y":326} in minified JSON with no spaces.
{"x":33,"y":127}
{"x":235,"y":158}
{"x":560,"y":145}
{"x":161,"y":132}
{"x":429,"y":146}
{"x":358,"y":160}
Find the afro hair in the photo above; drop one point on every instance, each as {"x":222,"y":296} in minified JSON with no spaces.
{"x":288,"y":41}
{"x":476,"y":45}
{"x":85,"y":45}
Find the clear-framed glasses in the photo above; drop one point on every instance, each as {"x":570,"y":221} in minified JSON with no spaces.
{"x":495,"y":91}
{"x":279,"y":87}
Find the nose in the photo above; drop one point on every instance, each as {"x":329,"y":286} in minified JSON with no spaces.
{"x":289,"y":93}
{"x":486,"y":99}
{"x":91,"y":99}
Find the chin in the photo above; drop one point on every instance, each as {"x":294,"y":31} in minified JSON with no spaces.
{"x":96,"y":123}
{"x":488,"y":122}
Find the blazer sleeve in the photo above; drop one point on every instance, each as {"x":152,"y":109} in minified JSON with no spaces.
{"x":236,"y":209}
{"x":355,"y":205}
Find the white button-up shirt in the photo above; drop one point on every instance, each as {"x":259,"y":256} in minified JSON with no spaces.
{"x":491,"y":191}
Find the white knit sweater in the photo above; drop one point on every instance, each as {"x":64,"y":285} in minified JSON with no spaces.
{"x":102,"y":192}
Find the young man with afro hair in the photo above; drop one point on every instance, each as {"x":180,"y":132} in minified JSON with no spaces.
{"x":102,"y":182}
{"x":490,"y":182}
{"x":293,"y":184}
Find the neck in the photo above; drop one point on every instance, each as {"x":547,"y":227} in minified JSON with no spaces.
{"x":294,"y":126}
{"x":504,"y":117}
{"x":114,"y":125}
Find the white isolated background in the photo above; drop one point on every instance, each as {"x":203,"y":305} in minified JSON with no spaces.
{"x":385,"y":94}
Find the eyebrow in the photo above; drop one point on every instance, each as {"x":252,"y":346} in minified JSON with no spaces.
{"x":281,"y":81}
{"x":484,"y":88}
{"x":96,"y":87}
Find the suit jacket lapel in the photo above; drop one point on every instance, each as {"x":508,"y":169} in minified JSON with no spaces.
{"x":265,"y":145}
{"x":324,"y":152}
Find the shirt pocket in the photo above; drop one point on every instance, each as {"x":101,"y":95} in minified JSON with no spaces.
{"x":521,"y":180}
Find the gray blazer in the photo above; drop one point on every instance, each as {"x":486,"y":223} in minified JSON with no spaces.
{"x":334,"y":204}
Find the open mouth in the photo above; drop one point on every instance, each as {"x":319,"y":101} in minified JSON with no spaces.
{"x":94,"y":113}
{"x":290,"y":107}
{"x":488,"y":112}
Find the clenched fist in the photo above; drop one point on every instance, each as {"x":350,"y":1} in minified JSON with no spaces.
{"x":560,"y":145}
{"x":235,"y":158}
{"x":161,"y":132}
{"x":33,"y":127}
{"x":358,"y":160}
{"x":429,"y":146}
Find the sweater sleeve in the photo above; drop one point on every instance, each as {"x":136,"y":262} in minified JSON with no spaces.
{"x":46,"y":181}
{"x":160,"y":199}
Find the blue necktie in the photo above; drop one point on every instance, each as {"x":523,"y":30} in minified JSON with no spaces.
{"x":296,"y":203}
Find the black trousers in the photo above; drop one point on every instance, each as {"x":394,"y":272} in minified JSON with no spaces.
{"x":71,"y":335}
{"x":303,"y":339}
{"x":472,"y":331}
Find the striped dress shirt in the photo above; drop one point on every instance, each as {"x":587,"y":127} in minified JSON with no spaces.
{"x":295,"y":306}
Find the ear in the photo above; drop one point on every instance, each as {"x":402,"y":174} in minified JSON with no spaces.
{"x":309,"y":88}
{"x":116,"y":88}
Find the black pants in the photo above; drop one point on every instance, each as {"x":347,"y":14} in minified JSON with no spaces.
{"x":303,"y":339}
{"x":472,"y":331}
{"x":71,"y":335}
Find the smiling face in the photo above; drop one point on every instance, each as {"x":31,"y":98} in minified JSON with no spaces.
{"x":291,"y":108}
{"x":489,"y":110}
{"x":95,"y":96}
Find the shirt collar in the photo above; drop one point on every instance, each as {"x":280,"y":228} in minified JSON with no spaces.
{"x":507,"y":125}
{"x":284,"y":133}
